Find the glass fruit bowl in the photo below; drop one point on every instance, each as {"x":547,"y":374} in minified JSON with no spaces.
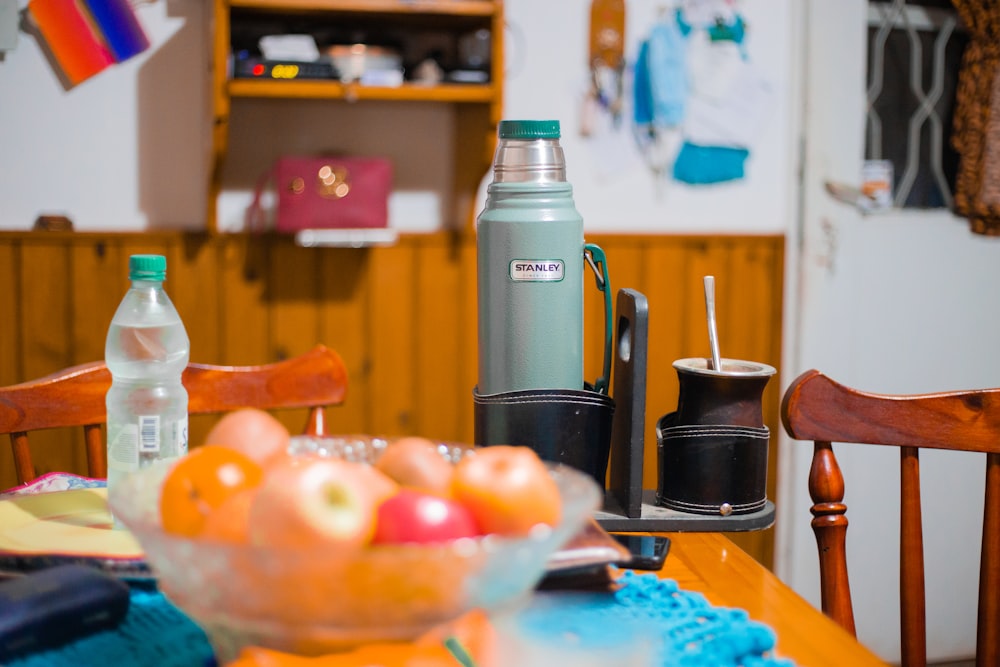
{"x":311,"y":601}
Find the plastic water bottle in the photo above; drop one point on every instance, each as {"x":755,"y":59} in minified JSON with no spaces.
{"x":147,"y":350}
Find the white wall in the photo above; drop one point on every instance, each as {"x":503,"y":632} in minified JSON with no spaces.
{"x":613,"y":189}
{"x":125,"y":150}
{"x":128,"y":148}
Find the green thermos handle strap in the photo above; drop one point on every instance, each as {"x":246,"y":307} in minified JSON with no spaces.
{"x":599,"y":263}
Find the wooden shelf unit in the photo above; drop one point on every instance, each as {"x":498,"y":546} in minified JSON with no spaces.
{"x":478,"y":105}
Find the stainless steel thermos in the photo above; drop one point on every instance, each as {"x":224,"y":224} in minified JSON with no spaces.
{"x":530,"y":264}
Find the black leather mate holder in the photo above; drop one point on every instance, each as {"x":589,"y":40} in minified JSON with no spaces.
{"x":562,"y":425}
{"x":711,"y":469}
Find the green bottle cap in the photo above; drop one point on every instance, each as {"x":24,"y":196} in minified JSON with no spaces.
{"x":147,"y":267}
{"x":529,"y":129}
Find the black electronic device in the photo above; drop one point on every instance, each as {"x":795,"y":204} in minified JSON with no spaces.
{"x":251,"y":67}
{"x":648,"y":551}
{"x":50,"y":607}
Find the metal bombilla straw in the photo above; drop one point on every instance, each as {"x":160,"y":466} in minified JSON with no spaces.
{"x":713,"y":334}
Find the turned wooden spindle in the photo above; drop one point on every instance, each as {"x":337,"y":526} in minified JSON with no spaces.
{"x":826,"y":488}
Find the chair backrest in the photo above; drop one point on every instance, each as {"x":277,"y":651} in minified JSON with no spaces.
{"x":75,"y":397}
{"x":816,"y":408}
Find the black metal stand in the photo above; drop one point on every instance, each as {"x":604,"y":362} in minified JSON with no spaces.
{"x":656,"y":519}
{"x":628,"y":508}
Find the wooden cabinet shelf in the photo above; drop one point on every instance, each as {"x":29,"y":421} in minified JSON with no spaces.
{"x":417,"y":30}
{"x":447,"y":7}
{"x":334,"y":90}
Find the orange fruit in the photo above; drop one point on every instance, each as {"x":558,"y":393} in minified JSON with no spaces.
{"x":416,"y":463}
{"x":200,"y":482}
{"x":256,"y":433}
{"x":508,"y":489}
{"x":230,"y":521}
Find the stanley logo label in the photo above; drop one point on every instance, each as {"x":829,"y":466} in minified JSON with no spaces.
{"x":537,"y":270}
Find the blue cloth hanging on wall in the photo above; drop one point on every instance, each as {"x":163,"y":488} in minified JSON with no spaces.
{"x":704,"y":165}
{"x":660,"y":82}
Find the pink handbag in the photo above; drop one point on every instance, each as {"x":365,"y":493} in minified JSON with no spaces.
{"x":325,"y":192}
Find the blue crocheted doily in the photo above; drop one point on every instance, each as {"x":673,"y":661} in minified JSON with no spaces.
{"x":684,"y":629}
{"x":687,"y":630}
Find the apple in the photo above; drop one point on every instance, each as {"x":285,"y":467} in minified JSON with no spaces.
{"x":311,"y":502}
{"x":417,"y":516}
{"x":254,"y":432}
{"x":416,"y":463}
{"x":508,"y":489}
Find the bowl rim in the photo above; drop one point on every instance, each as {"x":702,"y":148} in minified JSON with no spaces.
{"x":565,"y":475}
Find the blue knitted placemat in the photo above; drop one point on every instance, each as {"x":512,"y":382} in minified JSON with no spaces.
{"x":686,"y":630}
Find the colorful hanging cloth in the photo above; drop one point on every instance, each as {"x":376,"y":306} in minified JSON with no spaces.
{"x":976,"y":134}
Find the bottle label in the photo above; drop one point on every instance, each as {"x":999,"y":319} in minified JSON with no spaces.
{"x":537,"y":270}
{"x":147,"y":439}
{"x":149,"y":434}
{"x":123,"y":447}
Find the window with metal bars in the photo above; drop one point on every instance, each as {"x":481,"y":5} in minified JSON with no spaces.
{"x":914,"y":53}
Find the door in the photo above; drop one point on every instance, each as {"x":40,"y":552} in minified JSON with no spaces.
{"x":902,"y":301}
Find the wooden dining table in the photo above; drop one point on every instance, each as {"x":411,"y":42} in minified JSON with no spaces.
{"x":727,"y":576}
{"x":711,"y":564}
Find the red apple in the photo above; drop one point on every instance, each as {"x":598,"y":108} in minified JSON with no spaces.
{"x":508,"y":489}
{"x":310,"y":502}
{"x":416,"y":516}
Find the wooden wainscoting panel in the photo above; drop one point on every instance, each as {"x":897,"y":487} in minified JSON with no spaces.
{"x":96,"y":289}
{"x":11,"y":302}
{"x":243,"y":327}
{"x":294,"y":289}
{"x":46,"y":315}
{"x":441,"y":341}
{"x":746,"y":301}
{"x":47,"y":339}
{"x":345,"y":326}
{"x":293,"y":297}
{"x":665,"y":262}
{"x":390,"y":401}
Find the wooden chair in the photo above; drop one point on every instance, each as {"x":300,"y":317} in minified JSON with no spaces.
{"x":816,"y":408}
{"x":75,"y":397}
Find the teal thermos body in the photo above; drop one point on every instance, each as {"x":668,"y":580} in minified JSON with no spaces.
{"x":530,"y":266}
